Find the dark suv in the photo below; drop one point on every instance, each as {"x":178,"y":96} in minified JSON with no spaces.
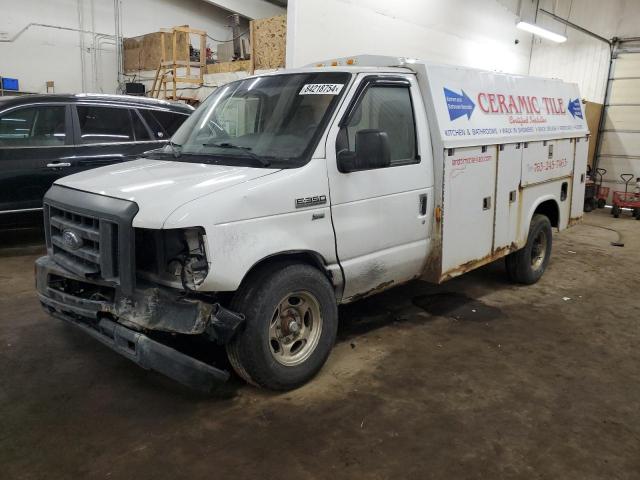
{"x":45,"y":137}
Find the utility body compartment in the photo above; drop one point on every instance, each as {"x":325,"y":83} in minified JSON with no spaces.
{"x":502,"y":145}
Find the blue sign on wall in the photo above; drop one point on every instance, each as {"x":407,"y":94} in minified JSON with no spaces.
{"x":10,"y":83}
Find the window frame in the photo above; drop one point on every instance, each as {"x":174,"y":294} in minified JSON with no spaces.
{"x":133,"y":112}
{"x":77,"y":134}
{"x":374,"y":81}
{"x":68,"y":123}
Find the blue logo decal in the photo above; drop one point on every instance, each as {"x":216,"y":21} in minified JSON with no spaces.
{"x":574,"y":108}
{"x":458,"y":105}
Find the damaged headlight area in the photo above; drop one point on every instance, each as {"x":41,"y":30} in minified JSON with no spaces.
{"x":174,"y":258}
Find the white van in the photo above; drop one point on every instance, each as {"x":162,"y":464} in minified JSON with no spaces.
{"x":287,"y":194}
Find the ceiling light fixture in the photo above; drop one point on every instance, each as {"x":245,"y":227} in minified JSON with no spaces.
{"x":541,"y":32}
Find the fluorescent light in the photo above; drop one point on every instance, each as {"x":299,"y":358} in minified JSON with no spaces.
{"x":541,"y":32}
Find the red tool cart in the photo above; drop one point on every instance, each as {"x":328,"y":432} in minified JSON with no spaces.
{"x":626,"y":199}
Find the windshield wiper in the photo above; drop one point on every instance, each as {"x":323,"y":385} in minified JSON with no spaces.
{"x":246,"y":150}
{"x":174,"y":149}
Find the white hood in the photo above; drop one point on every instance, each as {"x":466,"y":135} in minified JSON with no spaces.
{"x":158,"y":186}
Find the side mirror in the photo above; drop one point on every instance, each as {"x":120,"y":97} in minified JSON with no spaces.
{"x":346,"y":161}
{"x":372,"y":151}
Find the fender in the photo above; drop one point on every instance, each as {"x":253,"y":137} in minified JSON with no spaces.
{"x":545,"y":198}
{"x":333,"y":272}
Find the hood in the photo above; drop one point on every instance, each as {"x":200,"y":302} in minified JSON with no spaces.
{"x":159,"y":186}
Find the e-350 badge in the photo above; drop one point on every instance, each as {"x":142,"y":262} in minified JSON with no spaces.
{"x":311,"y":201}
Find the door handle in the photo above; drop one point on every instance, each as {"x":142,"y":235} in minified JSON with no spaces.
{"x":423,"y":204}
{"x":58,"y":165}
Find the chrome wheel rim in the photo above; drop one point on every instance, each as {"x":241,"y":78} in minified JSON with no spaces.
{"x":295,"y":328}
{"x":538,"y":250}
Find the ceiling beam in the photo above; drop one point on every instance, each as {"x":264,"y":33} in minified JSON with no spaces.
{"x":251,"y":9}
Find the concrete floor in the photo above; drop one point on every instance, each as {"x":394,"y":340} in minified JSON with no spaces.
{"x":472,"y":379}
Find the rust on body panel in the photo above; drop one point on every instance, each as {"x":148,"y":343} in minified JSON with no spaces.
{"x":473,"y":264}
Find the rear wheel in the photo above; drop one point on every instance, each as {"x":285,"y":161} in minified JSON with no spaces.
{"x":528,"y":264}
{"x":291,"y":324}
{"x":602,"y":203}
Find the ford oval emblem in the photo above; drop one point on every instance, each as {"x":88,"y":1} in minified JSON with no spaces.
{"x":71,"y":240}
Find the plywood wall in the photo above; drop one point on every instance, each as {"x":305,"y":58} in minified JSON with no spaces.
{"x":145,"y":52}
{"x":226,"y":67}
{"x":268,"y":40}
{"x":593,"y":111}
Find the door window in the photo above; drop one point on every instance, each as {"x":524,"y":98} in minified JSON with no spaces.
{"x":104,"y":125}
{"x":169,"y":120}
{"x":389,"y":109}
{"x":156,"y":128}
{"x":33,"y":127}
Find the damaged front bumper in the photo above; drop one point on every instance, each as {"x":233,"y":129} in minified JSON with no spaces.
{"x":125,"y":322}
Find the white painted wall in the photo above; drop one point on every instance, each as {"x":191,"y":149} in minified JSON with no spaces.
{"x":583,"y":59}
{"x":475,"y":33}
{"x":42,"y":54}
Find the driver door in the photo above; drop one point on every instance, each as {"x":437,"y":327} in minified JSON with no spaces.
{"x":381,"y":216}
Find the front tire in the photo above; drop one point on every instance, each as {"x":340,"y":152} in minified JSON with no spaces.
{"x":291,"y":321}
{"x":528,"y":264}
{"x":615,"y":211}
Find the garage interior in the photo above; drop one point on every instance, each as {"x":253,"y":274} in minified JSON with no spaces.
{"x":471,"y":378}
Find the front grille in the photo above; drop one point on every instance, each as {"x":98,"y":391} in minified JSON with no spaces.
{"x":97,"y":253}
{"x":91,"y":235}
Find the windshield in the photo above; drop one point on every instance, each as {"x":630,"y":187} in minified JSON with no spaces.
{"x":270,"y":121}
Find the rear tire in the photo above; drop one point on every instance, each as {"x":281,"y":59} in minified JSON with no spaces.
{"x":602,"y":203}
{"x":291,"y":324}
{"x":527,"y":265}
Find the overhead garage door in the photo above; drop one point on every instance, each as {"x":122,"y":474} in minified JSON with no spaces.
{"x":619,"y":150}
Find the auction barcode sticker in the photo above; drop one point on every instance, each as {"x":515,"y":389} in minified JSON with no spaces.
{"x":321,"y":89}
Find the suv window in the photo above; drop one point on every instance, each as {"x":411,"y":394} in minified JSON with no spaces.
{"x":156,"y":128}
{"x":387,"y":108}
{"x":33,"y":127}
{"x":104,"y":124}
{"x":170,"y":121}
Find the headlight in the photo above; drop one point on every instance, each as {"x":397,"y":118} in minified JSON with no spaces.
{"x":175,"y":257}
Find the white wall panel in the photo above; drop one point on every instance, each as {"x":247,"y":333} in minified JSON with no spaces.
{"x":582,"y":59}
{"x":627,"y":66}
{"x":42,"y":54}
{"x":625,"y":91}
{"x":620,"y":143}
{"x":475,"y":33}
{"x":622,"y":118}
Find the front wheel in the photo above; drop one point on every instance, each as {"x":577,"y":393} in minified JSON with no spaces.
{"x":615,"y":211}
{"x":528,"y":264}
{"x":291,"y":324}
